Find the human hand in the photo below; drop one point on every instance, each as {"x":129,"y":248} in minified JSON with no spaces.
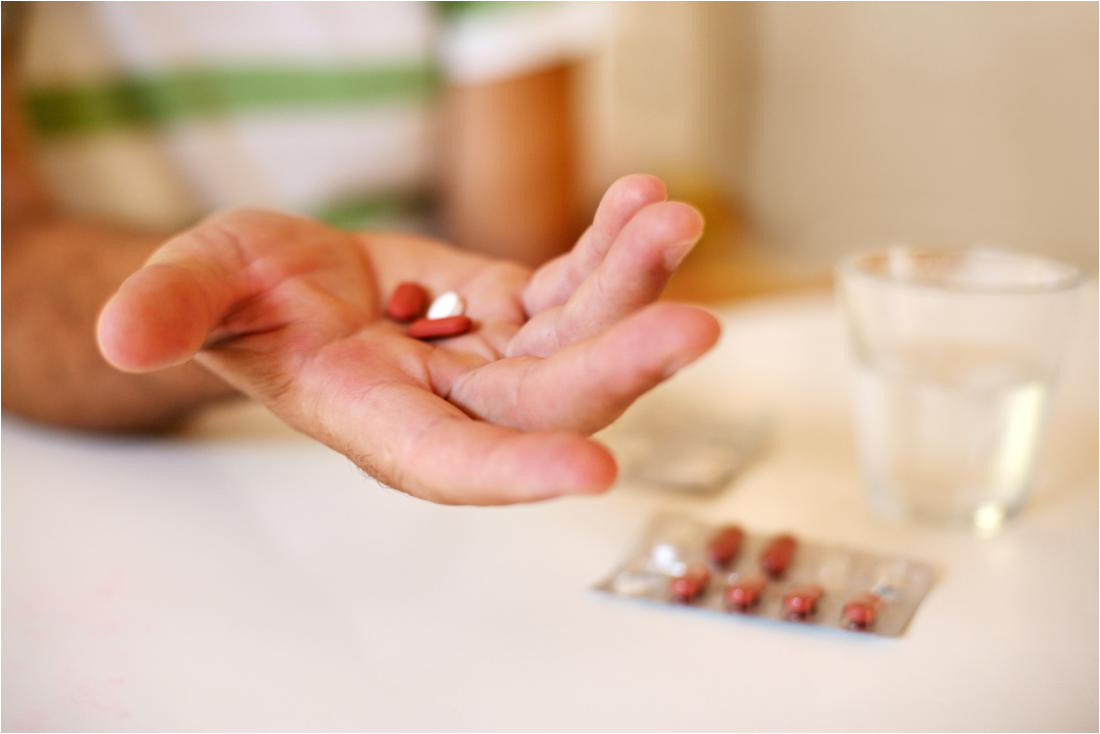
{"x":290,"y":312}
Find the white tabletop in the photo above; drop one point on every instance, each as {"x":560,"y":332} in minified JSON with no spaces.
{"x":241,"y":577}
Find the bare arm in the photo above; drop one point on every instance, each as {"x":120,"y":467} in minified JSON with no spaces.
{"x":57,"y":273}
{"x":56,"y":276}
{"x":309,"y":342}
{"x":510,"y":179}
{"x":509,"y":183}
{"x":497,"y":415}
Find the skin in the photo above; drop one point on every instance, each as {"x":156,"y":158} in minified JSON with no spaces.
{"x":58,"y":270}
{"x":289,"y":312}
{"x":57,"y":273}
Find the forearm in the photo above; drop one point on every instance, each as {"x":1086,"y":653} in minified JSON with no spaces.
{"x":57,"y":273}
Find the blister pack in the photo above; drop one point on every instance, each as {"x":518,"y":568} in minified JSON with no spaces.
{"x":683,"y":450}
{"x":729,"y":570}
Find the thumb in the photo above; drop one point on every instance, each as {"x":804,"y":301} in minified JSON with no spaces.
{"x":158,"y":318}
{"x":163,"y":314}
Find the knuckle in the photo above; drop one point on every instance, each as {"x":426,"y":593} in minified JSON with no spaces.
{"x":251,"y":224}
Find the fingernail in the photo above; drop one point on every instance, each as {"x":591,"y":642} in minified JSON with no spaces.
{"x":675,"y":254}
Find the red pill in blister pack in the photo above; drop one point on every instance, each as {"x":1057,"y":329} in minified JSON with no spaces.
{"x":439,"y":328}
{"x":689,"y":585}
{"x":777,"y":556}
{"x":724,"y":545}
{"x":860,"y":613}
{"x":744,"y":593}
{"x":801,"y":602}
{"x":407,"y":301}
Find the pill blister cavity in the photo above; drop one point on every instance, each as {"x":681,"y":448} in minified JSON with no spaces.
{"x":637,"y":583}
{"x":890,"y":580}
{"x":801,"y":602}
{"x":834,"y":571}
{"x":861,"y":612}
{"x":665,"y":558}
{"x":724,"y":545}
{"x":690,"y":585}
{"x":744,"y":592}
{"x":777,"y":555}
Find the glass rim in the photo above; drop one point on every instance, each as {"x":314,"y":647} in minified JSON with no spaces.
{"x":1070,"y":277}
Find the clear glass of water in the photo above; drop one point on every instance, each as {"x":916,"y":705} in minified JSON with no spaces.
{"x":956,"y":351}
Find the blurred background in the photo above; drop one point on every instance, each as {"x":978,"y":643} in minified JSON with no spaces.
{"x":808,"y":130}
{"x":803,"y":130}
{"x":237,"y":575}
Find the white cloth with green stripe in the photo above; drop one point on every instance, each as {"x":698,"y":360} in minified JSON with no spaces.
{"x":156,"y":113}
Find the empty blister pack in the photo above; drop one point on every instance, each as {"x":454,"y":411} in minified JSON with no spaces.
{"x":729,"y":570}
{"x":683,"y":450}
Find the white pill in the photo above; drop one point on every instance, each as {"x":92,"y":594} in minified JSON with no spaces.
{"x":447,"y":305}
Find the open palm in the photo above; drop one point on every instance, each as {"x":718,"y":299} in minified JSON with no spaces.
{"x":290,"y":312}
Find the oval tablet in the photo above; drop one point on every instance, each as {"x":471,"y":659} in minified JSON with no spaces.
{"x":860,"y":613}
{"x":407,"y":302}
{"x":802,"y":602}
{"x":777,"y":556}
{"x":691,"y":584}
{"x":447,"y":305}
{"x":745,"y":592}
{"x":724,"y":544}
{"x":439,"y":328}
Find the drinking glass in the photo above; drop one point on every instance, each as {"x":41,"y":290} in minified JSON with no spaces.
{"x":956,"y":351}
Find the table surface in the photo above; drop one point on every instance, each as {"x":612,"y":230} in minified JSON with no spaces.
{"x":238,"y":576}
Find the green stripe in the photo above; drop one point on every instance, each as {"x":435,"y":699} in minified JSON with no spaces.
{"x":151,"y":101}
{"x":465,"y":8}
{"x":373,"y":210}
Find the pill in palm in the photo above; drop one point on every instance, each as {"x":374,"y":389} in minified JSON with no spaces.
{"x":439,"y":328}
{"x":447,"y":305}
{"x":407,"y":301}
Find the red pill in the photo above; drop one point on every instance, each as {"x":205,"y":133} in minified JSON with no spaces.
{"x":439,"y":328}
{"x":802,"y":602}
{"x":776,"y":558}
{"x":691,"y":584}
{"x":745,"y":592}
{"x":860,"y":613}
{"x":407,"y":302}
{"x":724,"y":544}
